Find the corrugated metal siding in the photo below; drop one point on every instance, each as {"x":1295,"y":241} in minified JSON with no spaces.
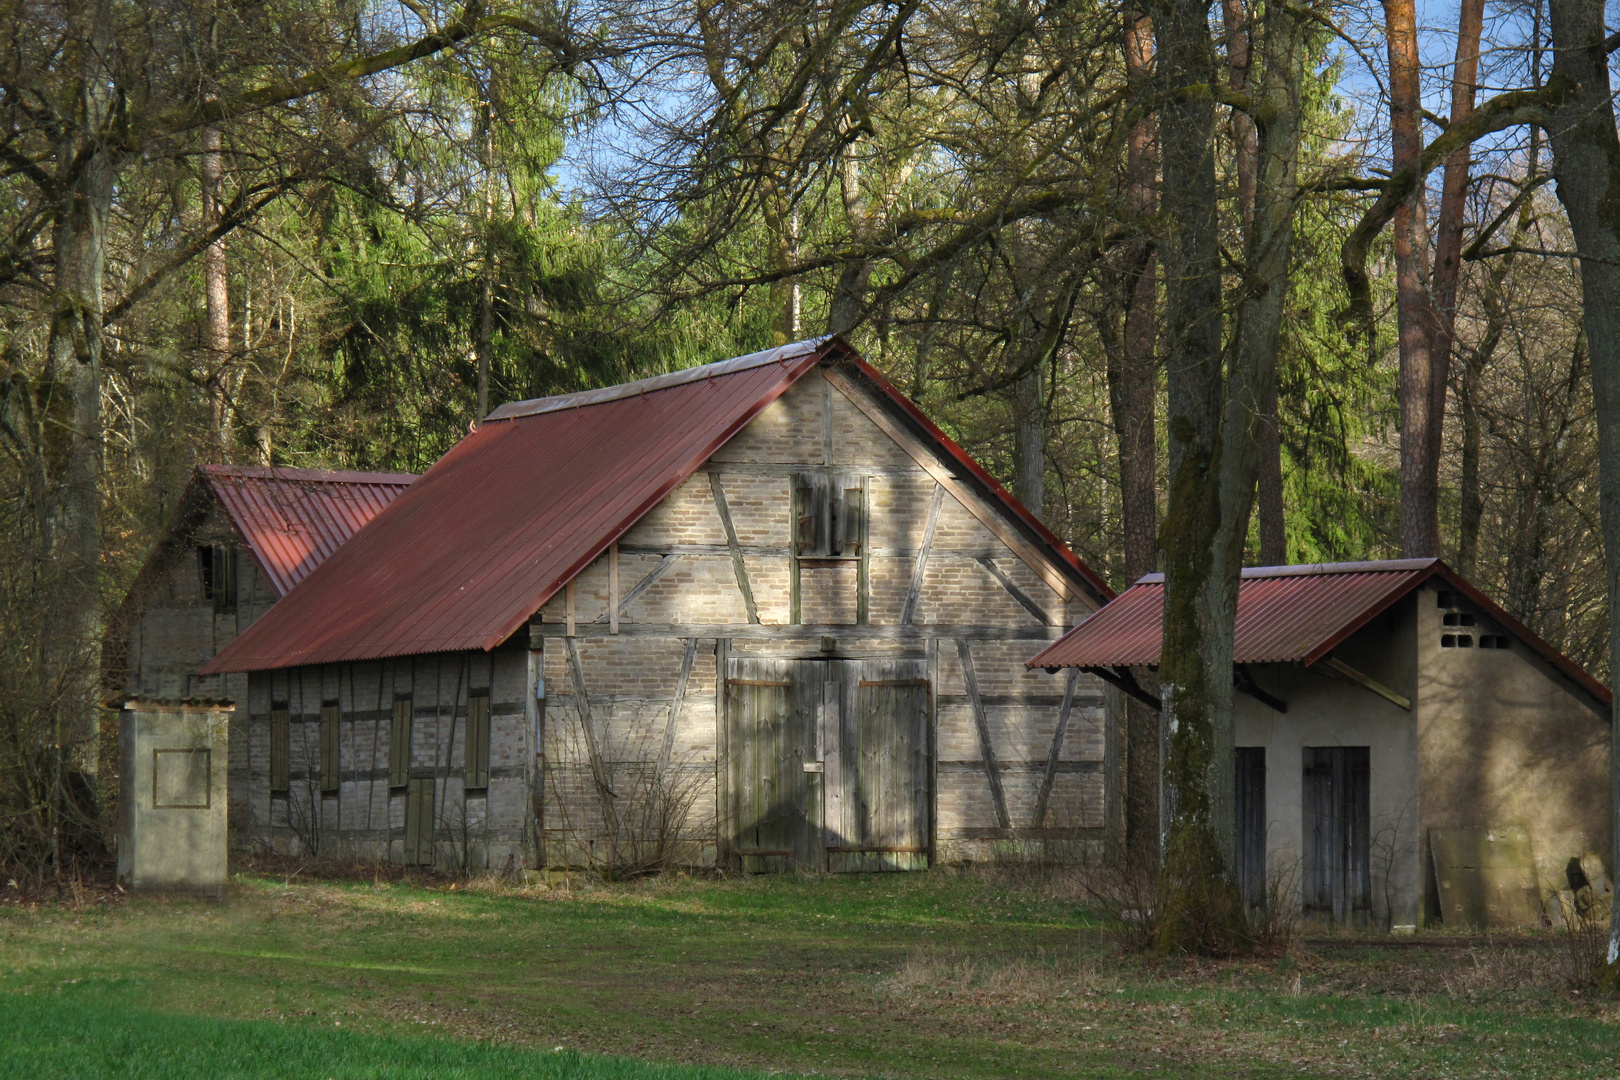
{"x":487,"y":535}
{"x":295,"y":519}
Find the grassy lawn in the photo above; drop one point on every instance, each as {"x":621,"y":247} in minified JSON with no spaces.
{"x":944,"y":974}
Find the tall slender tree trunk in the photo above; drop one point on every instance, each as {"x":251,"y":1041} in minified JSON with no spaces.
{"x":73,"y":365}
{"x":1239,"y":52}
{"x":1586,"y":164}
{"x":1132,"y":385}
{"x":1420,"y":421}
{"x":216,"y":290}
{"x":485,"y":346}
{"x":1029,"y":439}
{"x":1198,"y":908}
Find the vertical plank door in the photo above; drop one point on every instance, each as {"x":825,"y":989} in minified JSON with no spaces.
{"x":880,"y":818}
{"x":769,"y":738}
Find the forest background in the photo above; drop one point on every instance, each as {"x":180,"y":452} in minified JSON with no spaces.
{"x":334,"y":233}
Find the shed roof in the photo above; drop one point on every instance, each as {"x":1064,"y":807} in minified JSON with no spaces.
{"x":490,"y":533}
{"x":1285,"y":614}
{"x":294,"y":519}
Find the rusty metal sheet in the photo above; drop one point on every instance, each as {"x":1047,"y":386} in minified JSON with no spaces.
{"x":1285,"y":614}
{"x":294,"y":519}
{"x":490,"y":533}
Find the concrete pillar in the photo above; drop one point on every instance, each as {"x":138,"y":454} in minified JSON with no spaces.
{"x":172,"y":805}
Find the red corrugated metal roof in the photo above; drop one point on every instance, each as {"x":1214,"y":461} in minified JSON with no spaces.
{"x":1284,"y":614}
{"x":516,"y":509}
{"x":294,"y":519}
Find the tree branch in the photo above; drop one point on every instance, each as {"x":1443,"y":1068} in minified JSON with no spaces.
{"x":1503,"y":111}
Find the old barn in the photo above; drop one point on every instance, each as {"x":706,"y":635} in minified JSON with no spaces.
{"x":1407,"y":751}
{"x":761,"y":612}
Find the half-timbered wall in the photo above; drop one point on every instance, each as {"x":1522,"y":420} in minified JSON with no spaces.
{"x":368,"y":812}
{"x":628,"y":666}
{"x":710,"y":574}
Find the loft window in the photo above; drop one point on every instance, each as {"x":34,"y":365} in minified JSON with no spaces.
{"x":827,"y":515}
{"x":218,"y":566}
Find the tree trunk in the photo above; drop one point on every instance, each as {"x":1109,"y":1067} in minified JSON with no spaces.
{"x":1198,"y":907}
{"x":1132,"y":396}
{"x":1420,"y":421}
{"x":1449,"y":239}
{"x":1029,"y":439}
{"x":486,"y":276}
{"x":849,"y":295}
{"x":216,"y":290}
{"x":1586,"y":165}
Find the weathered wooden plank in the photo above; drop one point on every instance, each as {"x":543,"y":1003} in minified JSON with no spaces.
{"x":981,"y":723}
{"x":653,"y":575}
{"x":1067,"y":765}
{"x":741,"y":569}
{"x":582,"y":705}
{"x":1075,"y":833}
{"x":863,"y":575}
{"x":613,"y":587}
{"x":1015,"y":592}
{"x":668,"y":749}
{"x":1056,"y":752}
{"x":919,"y":572}
{"x":570,"y":610}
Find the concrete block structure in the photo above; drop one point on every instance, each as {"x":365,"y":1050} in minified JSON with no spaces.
{"x":1380,"y":705}
{"x":172,"y":811}
{"x":761,"y":613}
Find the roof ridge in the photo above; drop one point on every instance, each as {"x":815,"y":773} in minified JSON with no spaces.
{"x":1371,"y":566}
{"x":538,"y":406}
{"x":322,"y":476}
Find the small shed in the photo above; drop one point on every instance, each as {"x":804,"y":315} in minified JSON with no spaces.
{"x":242,"y":537}
{"x":1406,"y":750}
{"x":761,"y":612}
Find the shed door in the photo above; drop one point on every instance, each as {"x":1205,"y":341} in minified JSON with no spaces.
{"x":877,"y":780}
{"x":770,"y":736}
{"x":1336,"y":826}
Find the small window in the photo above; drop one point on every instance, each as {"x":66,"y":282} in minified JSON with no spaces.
{"x":1465,"y":641}
{"x":399,"y":744}
{"x":218,"y":567}
{"x":476,"y":771}
{"x":827,"y":515}
{"x":331,"y":744}
{"x":1448,"y":641}
{"x":280,"y":749}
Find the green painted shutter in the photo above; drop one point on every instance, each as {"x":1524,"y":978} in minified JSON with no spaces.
{"x":330,"y":746}
{"x":399,"y":744}
{"x":419,"y":822}
{"x":476,"y":771}
{"x":280,"y":749}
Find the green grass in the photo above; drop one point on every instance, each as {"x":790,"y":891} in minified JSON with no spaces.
{"x":75,"y":1034}
{"x":919,"y":975}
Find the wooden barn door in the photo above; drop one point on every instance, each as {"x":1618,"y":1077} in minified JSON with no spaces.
{"x":877,"y":768}
{"x":770,"y":737}
{"x":1336,"y":826}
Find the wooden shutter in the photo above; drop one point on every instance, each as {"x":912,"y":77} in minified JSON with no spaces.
{"x":399,"y":744}
{"x":331,"y":744}
{"x":476,"y":769}
{"x":851,"y":509}
{"x":280,"y":749}
{"x":419,"y":822}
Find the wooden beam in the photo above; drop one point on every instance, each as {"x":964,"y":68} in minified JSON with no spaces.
{"x":613,"y":587}
{"x":1058,"y":735}
{"x":736,"y":550}
{"x":1243,"y":681}
{"x":651,"y":576}
{"x":582,"y":705}
{"x":992,"y":519}
{"x":981,"y":721}
{"x":1339,"y":667}
{"x":921,"y":568}
{"x":1015,"y":592}
{"x":863,"y":574}
{"x":668,"y":750}
{"x":1122,"y":678}
{"x":811,"y":631}
{"x":568,"y":603}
